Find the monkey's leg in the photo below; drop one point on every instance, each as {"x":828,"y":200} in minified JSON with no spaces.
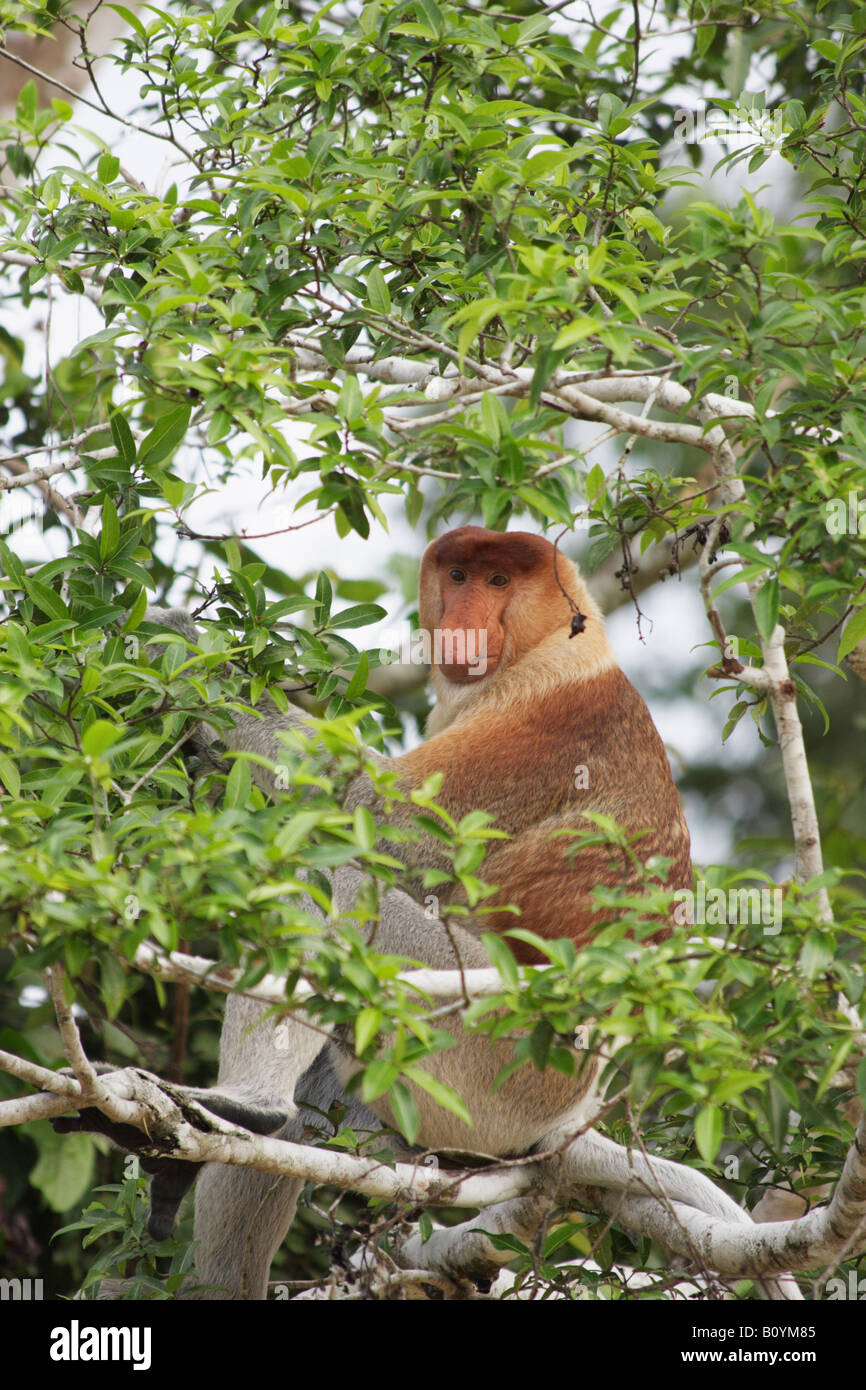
{"x":242,"y":1216}
{"x":505,"y":1121}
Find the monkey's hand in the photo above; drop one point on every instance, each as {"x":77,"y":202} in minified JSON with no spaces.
{"x":171,"y":1178}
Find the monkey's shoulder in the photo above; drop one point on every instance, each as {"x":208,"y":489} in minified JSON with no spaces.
{"x":590,"y":742}
{"x":605,"y":709}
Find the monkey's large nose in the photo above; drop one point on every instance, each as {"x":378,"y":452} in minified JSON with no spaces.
{"x":465,"y":654}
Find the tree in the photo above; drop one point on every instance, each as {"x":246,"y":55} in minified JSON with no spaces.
{"x":405,"y":246}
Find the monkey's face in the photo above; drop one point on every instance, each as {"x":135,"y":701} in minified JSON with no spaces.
{"x":469,"y":640}
{"x":473,"y":582}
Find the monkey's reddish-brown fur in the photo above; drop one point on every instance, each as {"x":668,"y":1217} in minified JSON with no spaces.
{"x":511,"y":742}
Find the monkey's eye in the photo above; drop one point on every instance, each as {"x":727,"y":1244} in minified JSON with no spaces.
{"x":459,"y":576}
{"x":500,"y":580}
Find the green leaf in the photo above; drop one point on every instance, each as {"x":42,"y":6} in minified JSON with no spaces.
{"x":378,"y":296}
{"x":238,"y":784}
{"x":27,"y":103}
{"x":168,"y":432}
{"x":405,"y":1111}
{"x":432,"y":14}
{"x":367,"y":1026}
{"x":609,"y":107}
{"x":709,"y":1131}
{"x":490,"y":408}
{"x":324,"y":598}
{"x":359,"y":615}
{"x":364,"y":828}
{"x":855,"y":631}
{"x":124,"y":442}
{"x":733,"y":719}
{"x":704,"y":38}
{"x":378,"y":1077}
{"x":176,"y":492}
{"x":131,"y":19}
{"x":10,"y":777}
{"x":99,"y":738}
{"x":64,"y":1169}
{"x":109,"y":538}
{"x":443,"y":1094}
{"x":350,"y":402}
{"x":575,"y":332}
{"x":502,"y":958}
{"x":767,"y":607}
{"x":108,"y":168}
{"x":46,"y":599}
{"x":358,"y":684}
{"x":352,"y":515}
{"x":136,"y":613}
{"x":816,"y":954}
{"x":594,"y":482}
{"x":504,"y":1242}
{"x":13,"y":567}
{"x":828,"y":49}
{"x":532,"y":27}
{"x":51,"y":191}
{"x":542,"y":502}
{"x":296,"y":832}
{"x":539,"y":1043}
{"x":741,"y":576}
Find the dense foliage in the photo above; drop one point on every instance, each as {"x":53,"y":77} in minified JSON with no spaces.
{"x":369,"y":203}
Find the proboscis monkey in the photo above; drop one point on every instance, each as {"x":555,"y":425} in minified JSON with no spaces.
{"x":534,"y":723}
{"x":551,"y":729}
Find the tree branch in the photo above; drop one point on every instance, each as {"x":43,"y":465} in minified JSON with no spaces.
{"x":773,"y":678}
